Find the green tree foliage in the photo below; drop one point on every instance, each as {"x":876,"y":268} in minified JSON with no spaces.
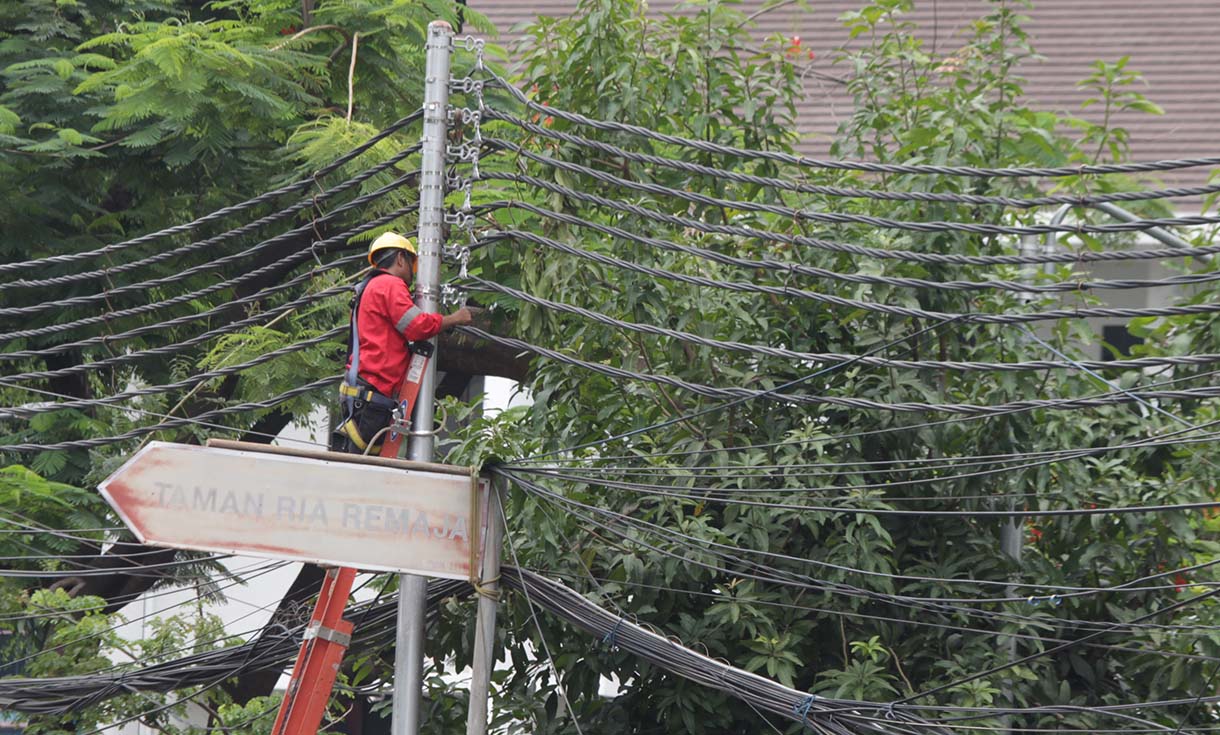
{"x":123,"y":118}
{"x":120,"y":118}
{"x":844,"y":633}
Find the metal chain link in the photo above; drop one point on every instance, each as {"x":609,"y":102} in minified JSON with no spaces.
{"x":466,"y":152}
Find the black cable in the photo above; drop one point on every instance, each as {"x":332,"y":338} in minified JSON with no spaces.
{"x":211,"y":242}
{"x":108,"y":340}
{"x":807,"y":215}
{"x":850,"y":192}
{"x":700,"y":544}
{"x":154,"y":414}
{"x":871,"y":306}
{"x":300,"y":185}
{"x":917,"y":622}
{"x":883,"y":362}
{"x":780,"y":157}
{"x":174,"y":423}
{"x":1051,"y":651}
{"x":288,"y":236}
{"x":274,"y":648}
{"x":1081,"y":256}
{"x":710,"y":495}
{"x":135,"y":571}
{"x":789,"y":268}
{"x":712,"y":409}
{"x":666,"y":654}
{"x":768,"y":575}
{"x":749,"y":394}
{"x":262,"y":568}
{"x":1205,"y":688}
{"x":7,"y":412}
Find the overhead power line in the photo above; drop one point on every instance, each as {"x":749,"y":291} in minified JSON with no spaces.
{"x":206,"y":244}
{"x":321,"y":246}
{"x":172,"y":348}
{"x":781,"y":157}
{"x":306,"y":230}
{"x":781,"y":352}
{"x":800,"y":187}
{"x":789,"y":268}
{"x":1081,"y":256}
{"x":723,"y":496}
{"x":272,"y":648}
{"x":264,"y":198}
{"x":189,"y":382}
{"x":1079,"y":312}
{"x":730,"y":552}
{"x":740,"y":393}
{"x":838,"y":218}
{"x":174,"y":423}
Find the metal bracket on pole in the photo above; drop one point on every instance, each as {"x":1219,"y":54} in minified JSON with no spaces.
{"x":334,"y":635}
{"x":413,"y":589}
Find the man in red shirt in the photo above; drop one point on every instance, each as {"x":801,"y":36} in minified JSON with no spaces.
{"x":385,"y":320}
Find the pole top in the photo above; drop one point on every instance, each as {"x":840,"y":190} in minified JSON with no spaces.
{"x":440,"y":26}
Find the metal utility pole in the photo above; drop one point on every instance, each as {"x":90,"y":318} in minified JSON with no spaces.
{"x":1011,"y":538}
{"x":413,"y":589}
{"x":485,"y":623}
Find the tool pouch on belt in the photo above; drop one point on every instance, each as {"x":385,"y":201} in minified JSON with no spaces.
{"x":366,"y":412}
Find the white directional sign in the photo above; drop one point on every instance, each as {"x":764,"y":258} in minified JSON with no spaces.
{"x":385,"y":515}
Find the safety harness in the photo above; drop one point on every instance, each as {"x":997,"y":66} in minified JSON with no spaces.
{"x":353,"y":391}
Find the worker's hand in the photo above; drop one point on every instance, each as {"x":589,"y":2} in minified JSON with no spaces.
{"x":479,"y":316}
{"x":458,"y":318}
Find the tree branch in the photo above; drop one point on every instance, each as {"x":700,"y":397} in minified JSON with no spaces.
{"x":307,"y":31}
{"x":351,"y":78}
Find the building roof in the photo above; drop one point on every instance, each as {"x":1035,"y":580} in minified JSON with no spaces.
{"x":1172,"y":42}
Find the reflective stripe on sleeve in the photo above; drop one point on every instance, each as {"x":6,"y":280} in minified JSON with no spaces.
{"x":407,"y":318}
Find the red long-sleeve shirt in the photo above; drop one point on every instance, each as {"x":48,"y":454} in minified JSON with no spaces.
{"x":388,"y":319}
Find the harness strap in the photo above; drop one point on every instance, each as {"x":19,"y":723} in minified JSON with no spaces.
{"x":368,"y":395}
{"x":352,"y":377}
{"x":353,"y":350}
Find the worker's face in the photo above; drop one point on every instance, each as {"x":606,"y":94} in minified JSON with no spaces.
{"x":406,"y":267}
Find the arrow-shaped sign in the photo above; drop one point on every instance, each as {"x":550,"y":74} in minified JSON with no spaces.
{"x":323,"y":508}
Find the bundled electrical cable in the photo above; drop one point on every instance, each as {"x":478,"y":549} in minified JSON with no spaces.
{"x":273,"y":648}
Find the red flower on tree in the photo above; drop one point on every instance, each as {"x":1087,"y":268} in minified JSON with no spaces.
{"x":1035,"y":533}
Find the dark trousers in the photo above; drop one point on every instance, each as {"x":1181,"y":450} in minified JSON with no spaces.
{"x":367,"y":420}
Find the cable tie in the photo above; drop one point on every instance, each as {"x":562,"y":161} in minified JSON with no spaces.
{"x":1033,"y":600}
{"x":1056,"y":600}
{"x":484,"y":589}
{"x":802,"y":708}
{"x":889,"y":712}
{"x":610,"y":640}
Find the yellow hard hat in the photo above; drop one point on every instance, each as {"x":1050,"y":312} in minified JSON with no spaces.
{"x":390,"y":240}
